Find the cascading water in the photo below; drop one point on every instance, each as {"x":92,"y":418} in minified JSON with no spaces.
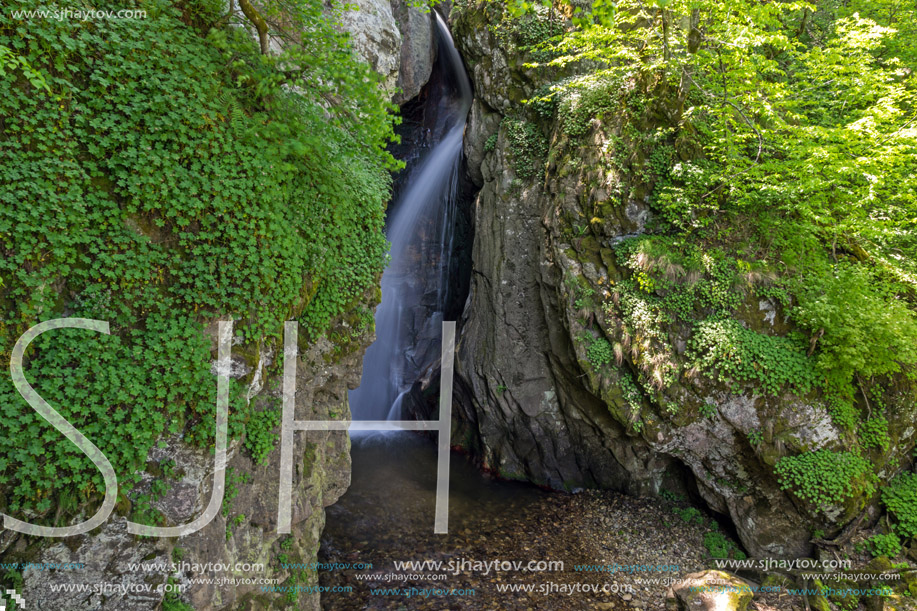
{"x":388,"y":509}
{"x":421,"y":232}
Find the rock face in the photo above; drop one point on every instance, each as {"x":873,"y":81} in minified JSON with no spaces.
{"x":396,"y":40}
{"x":376,"y":38}
{"x":417,"y":49}
{"x":533,"y":405}
{"x":242,"y":537}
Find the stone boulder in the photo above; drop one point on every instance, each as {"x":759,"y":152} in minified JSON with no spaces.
{"x":376,"y":38}
{"x":417,"y":49}
{"x":710,"y":591}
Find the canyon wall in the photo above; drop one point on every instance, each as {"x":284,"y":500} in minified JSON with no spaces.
{"x":567,"y":380}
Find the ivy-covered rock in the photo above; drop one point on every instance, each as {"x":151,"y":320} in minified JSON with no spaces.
{"x":160,"y":174}
{"x":635,"y":324}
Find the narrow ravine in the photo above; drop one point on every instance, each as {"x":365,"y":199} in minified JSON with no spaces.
{"x":386,"y":516}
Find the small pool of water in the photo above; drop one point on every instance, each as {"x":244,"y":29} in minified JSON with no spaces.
{"x":391,"y":495}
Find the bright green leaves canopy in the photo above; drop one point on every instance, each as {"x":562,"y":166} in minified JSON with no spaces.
{"x":172,"y":174}
{"x":803,"y":122}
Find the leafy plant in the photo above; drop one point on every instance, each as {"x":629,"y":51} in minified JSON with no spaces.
{"x":599,"y":352}
{"x":172,"y":601}
{"x":260,"y":437}
{"x":689,"y":514}
{"x":177,"y":177}
{"x":888,"y":545}
{"x":526,"y":146}
{"x":755,"y":438}
{"x":825,"y":478}
{"x":728,"y":352}
{"x":900,"y":498}
{"x":873,"y":433}
{"x":720,"y":546}
{"x":873,"y":339}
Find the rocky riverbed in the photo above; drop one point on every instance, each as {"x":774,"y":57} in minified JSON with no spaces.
{"x":387,"y":518}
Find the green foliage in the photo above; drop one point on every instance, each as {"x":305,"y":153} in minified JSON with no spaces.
{"x":143,"y":511}
{"x":10,"y":61}
{"x":526,"y":28}
{"x":584,"y":298}
{"x":755,"y":438}
{"x":842,"y":410}
{"x":888,"y":545}
{"x":173,"y":178}
{"x":121,"y":390}
{"x":761,"y":87}
{"x":527,"y":148}
{"x":874,"y":338}
{"x":544,"y":103}
{"x":689,"y":514}
{"x":586,"y":99}
{"x":824,"y":478}
{"x":792,"y":124}
{"x":234,"y":523}
{"x":172,"y":600}
{"x":708,"y":410}
{"x":599,"y":352}
{"x":900,"y":498}
{"x":631,"y":392}
{"x":873,"y":433}
{"x":672,"y":497}
{"x":233,"y":481}
{"x":693,"y":281}
{"x":719,"y":546}
{"x":728,"y":352}
{"x":491,"y":143}
{"x":260,"y":437}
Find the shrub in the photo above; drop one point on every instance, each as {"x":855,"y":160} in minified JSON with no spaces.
{"x":877,"y":337}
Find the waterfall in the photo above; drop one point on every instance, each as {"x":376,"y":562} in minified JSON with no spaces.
{"x":420,"y":229}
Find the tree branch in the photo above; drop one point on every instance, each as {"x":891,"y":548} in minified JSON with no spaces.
{"x":258,"y":21}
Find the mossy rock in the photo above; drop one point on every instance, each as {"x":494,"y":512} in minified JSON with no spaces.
{"x":712,"y":590}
